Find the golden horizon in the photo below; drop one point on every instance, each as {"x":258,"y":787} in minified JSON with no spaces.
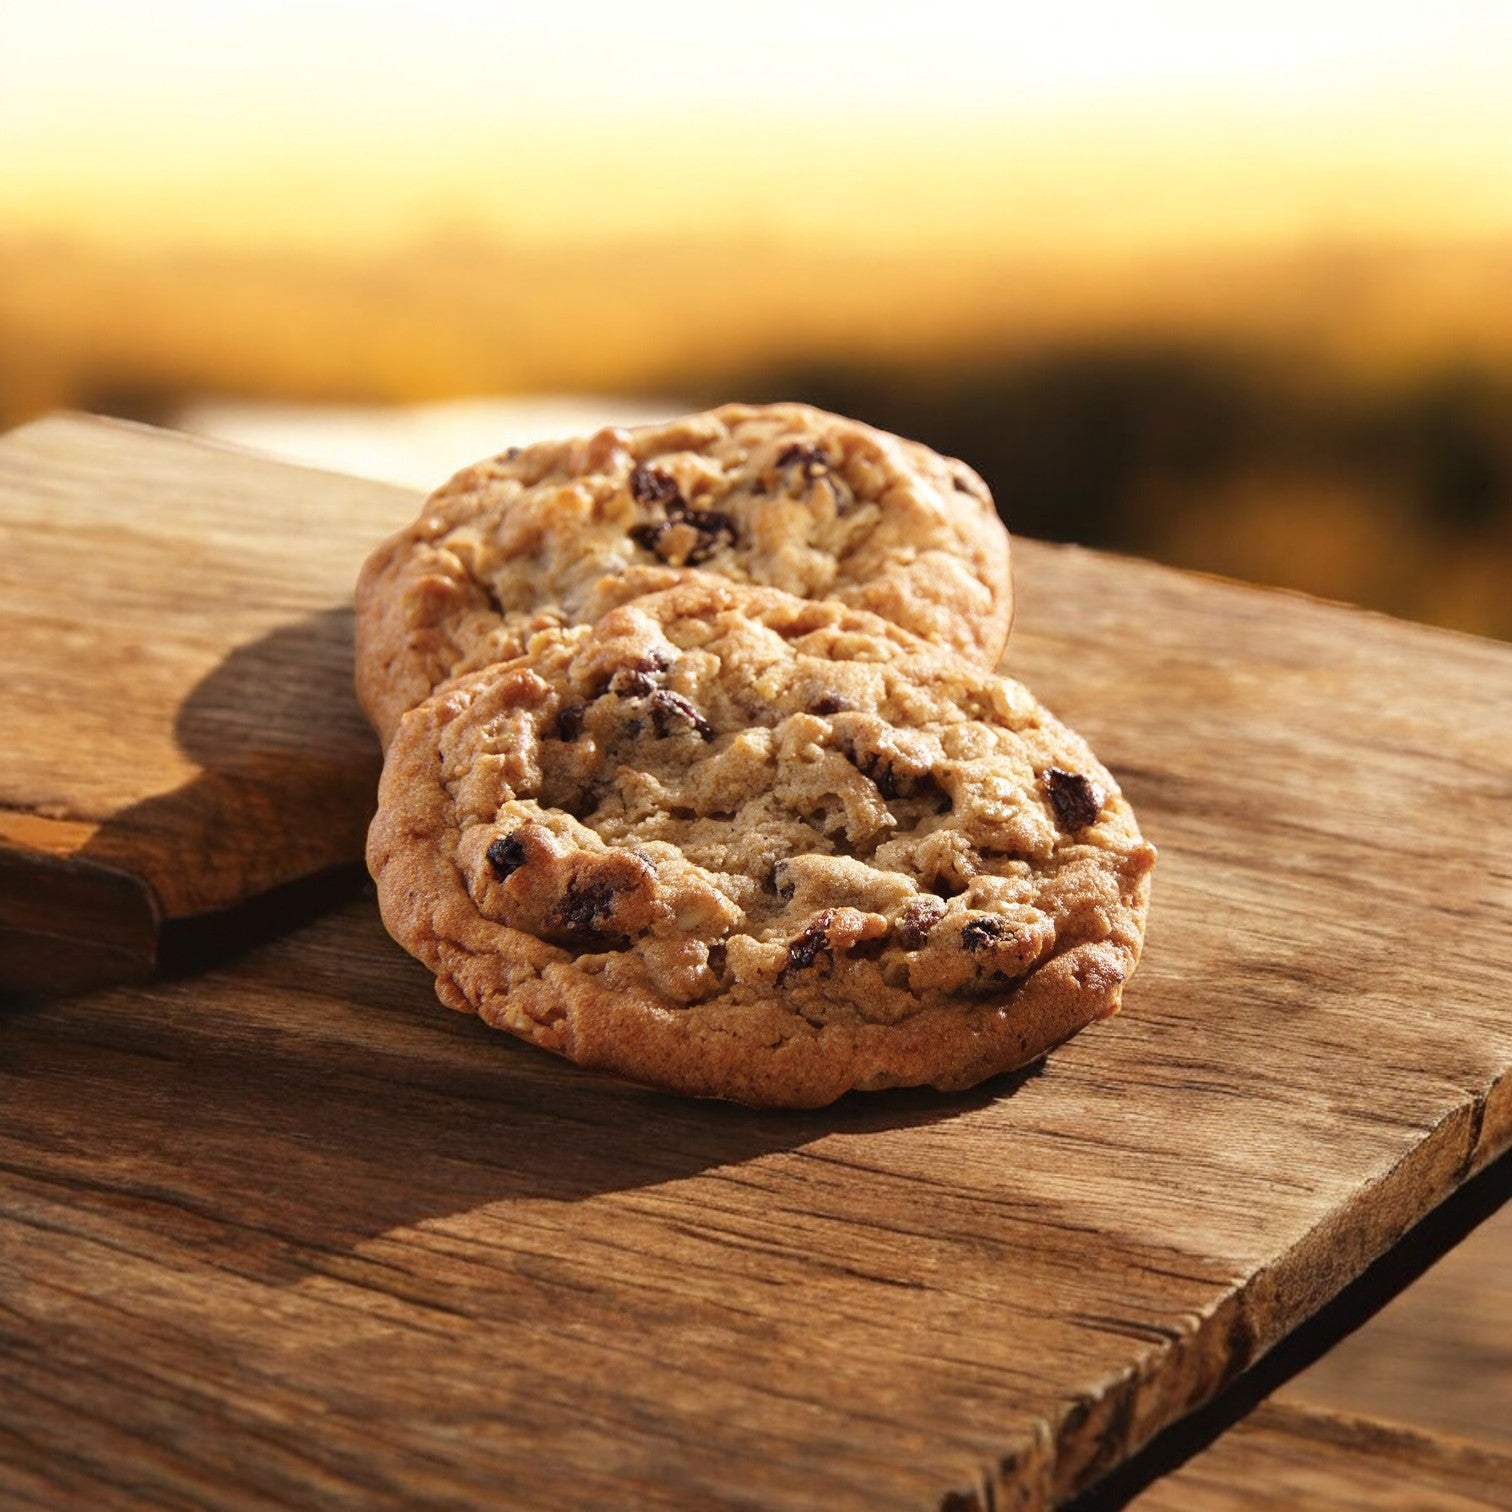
{"x":849,"y":126}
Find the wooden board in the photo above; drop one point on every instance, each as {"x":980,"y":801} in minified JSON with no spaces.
{"x":290,"y":1233}
{"x":1285,"y":1457}
{"x":175,"y":688}
{"x":1412,"y":1410}
{"x":1437,"y":1359}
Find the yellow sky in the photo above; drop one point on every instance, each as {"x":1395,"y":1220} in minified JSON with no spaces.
{"x":905,"y":127}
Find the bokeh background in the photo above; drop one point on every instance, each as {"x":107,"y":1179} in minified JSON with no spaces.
{"x":1225,"y":285}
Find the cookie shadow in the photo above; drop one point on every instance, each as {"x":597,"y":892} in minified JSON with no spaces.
{"x":318,"y":1097}
{"x":279,"y":1126}
{"x":270,"y":833}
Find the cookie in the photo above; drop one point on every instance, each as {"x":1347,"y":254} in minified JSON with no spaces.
{"x":783,"y":496}
{"x":738,"y":844}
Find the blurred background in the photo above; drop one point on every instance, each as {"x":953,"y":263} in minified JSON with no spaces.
{"x":1229,"y":286}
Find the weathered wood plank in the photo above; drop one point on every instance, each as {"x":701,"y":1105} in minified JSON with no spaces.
{"x":290,"y":1231}
{"x":1439,"y":1357}
{"x":175,"y":688}
{"x":1284,"y":1457}
{"x":1417,"y":1355}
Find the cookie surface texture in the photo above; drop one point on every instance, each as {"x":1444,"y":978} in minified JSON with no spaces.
{"x":783,"y":495}
{"x":732,"y":843}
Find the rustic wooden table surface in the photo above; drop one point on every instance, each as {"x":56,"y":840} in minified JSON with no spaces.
{"x":286,"y":1232}
{"x":175,"y":688}
{"x":1413,"y":1411}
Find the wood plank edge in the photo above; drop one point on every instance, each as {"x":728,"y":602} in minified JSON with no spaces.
{"x":61,"y":421}
{"x":69,"y":923}
{"x":1104,"y":1430}
{"x":1384,"y":1278}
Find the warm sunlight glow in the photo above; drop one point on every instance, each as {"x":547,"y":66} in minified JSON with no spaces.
{"x":1095,"y":125}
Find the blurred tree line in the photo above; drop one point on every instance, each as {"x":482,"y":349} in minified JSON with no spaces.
{"x":1394,"y":492}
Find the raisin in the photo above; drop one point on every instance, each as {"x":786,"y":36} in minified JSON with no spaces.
{"x":578,"y":921}
{"x":711,"y":526}
{"x":657,"y":490}
{"x":671,"y":710}
{"x":647,"y":537}
{"x":829,"y":703}
{"x":813,"y":459}
{"x":1075,"y":799}
{"x":918,"y":919}
{"x":807,"y":947}
{"x":584,"y":905}
{"x":570,"y":721}
{"x":803,"y":951}
{"x":981,"y":933}
{"x":636,"y":678}
{"x":650,"y":485}
{"x":632,"y":682}
{"x":880,"y":774}
{"x":506,"y":855}
{"x":891,"y":783}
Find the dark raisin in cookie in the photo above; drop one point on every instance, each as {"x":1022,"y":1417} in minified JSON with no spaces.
{"x":780,"y":495}
{"x":737,"y":844}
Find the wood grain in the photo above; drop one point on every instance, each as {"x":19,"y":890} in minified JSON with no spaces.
{"x":290,"y":1233}
{"x":175,"y":688}
{"x":1284,"y":1457}
{"x":1436,"y":1359}
{"x":1412,"y":1409}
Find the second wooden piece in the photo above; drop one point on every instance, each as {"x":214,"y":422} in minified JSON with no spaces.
{"x":175,"y":687}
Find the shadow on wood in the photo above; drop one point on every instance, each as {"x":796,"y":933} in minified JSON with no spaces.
{"x":176,"y":688}
{"x":288,"y":780}
{"x":267,"y":834}
{"x":260,"y":1115}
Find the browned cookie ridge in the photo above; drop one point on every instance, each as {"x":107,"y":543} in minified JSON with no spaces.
{"x":779,"y":495}
{"x":738,"y":844}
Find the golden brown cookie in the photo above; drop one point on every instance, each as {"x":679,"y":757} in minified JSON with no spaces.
{"x":738,"y":844}
{"x":780,"y":495}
